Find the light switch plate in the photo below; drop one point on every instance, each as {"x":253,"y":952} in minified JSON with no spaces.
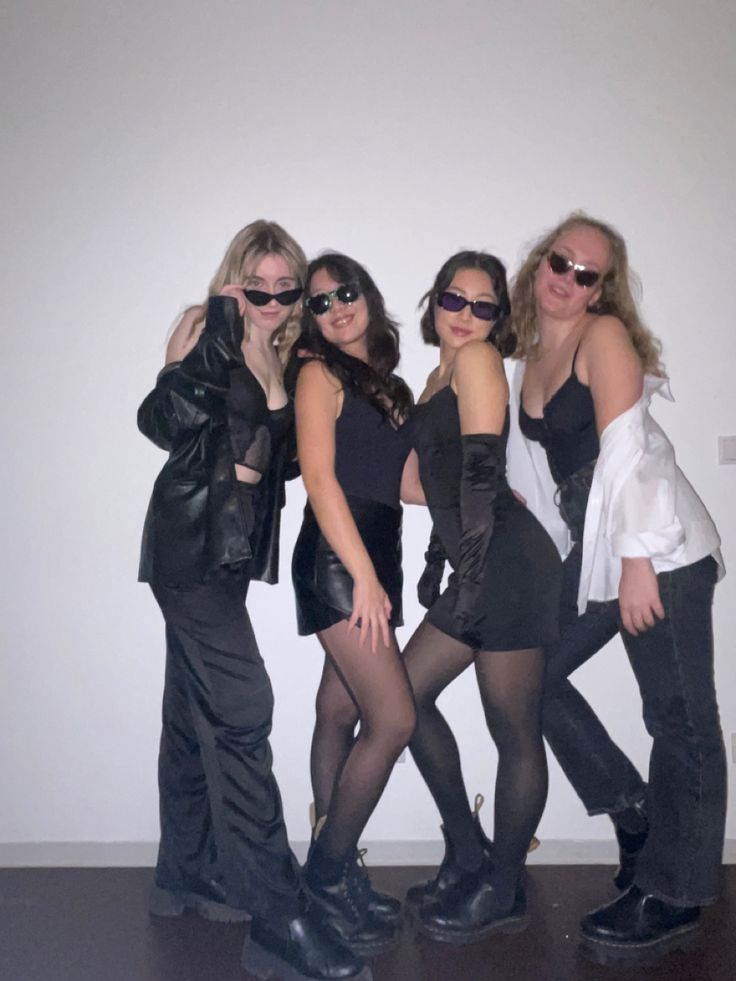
{"x":727,"y":449}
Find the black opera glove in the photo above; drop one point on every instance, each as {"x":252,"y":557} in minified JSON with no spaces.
{"x":484,"y":465}
{"x":430,"y":581}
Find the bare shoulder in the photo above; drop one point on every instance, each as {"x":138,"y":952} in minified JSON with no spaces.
{"x":480,"y":384}
{"x":605,"y":336}
{"x":185,"y":334}
{"x":477,"y":358}
{"x":314,"y":376}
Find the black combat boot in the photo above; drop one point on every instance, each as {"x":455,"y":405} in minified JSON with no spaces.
{"x":301,"y":947}
{"x":340,"y":891}
{"x":449,"y":871}
{"x":383,"y":905}
{"x":473,"y":908}
{"x":637,"y":927}
{"x":207,"y":898}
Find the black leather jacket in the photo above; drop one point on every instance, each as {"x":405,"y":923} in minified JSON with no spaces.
{"x":195,"y":523}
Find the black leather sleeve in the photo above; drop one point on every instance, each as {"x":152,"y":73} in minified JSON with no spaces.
{"x":190,"y":391}
{"x":483,"y":467}
{"x":430,"y":581}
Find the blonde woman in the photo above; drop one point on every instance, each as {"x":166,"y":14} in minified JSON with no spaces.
{"x":643,"y":562}
{"x":220,"y":410}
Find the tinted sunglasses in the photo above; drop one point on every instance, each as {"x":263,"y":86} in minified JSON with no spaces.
{"x":321,"y":302}
{"x":286,"y":297}
{"x":561,"y":265}
{"x":482,"y":309}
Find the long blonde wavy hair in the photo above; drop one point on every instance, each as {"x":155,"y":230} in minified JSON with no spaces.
{"x":617,"y":298}
{"x":250,"y":245}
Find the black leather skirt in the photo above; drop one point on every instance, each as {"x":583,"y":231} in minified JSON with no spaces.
{"x":323,"y":586}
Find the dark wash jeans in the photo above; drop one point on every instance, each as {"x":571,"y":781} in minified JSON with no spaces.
{"x":673,"y":665}
{"x":220,"y":808}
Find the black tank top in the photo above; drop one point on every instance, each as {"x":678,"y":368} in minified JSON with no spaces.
{"x":370,"y":452}
{"x":254,"y":428}
{"x":567,"y":429}
{"x":439,"y":445}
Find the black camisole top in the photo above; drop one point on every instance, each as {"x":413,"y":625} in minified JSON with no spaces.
{"x":567,"y":429}
{"x":254,"y":428}
{"x":370,"y":451}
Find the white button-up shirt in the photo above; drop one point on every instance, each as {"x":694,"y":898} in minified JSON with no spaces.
{"x":640,"y":502}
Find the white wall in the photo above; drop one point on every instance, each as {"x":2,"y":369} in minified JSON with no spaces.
{"x":139,"y":138}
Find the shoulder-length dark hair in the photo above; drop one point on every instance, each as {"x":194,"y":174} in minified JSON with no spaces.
{"x":500,"y":336}
{"x":375,"y":380}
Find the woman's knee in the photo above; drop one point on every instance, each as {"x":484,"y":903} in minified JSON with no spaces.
{"x":335,"y":707}
{"x":392,"y":724}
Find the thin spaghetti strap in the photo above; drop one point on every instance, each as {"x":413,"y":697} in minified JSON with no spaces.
{"x":574,"y":358}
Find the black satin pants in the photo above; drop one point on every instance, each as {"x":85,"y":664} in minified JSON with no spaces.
{"x":220,"y":808}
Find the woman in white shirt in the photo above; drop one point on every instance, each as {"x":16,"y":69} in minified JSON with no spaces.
{"x":644,"y":561}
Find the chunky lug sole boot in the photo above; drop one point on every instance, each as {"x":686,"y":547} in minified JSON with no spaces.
{"x":207,"y":902}
{"x":637,"y":928}
{"x":471,"y":911}
{"x":300,"y":949}
{"x":343,"y":901}
{"x":449,"y":872}
{"x":381,"y":904}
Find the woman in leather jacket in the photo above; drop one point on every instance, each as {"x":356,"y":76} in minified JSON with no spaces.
{"x":220,"y":410}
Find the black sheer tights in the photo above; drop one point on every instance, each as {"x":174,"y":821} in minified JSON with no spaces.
{"x":350,"y":771}
{"x":510,"y":685}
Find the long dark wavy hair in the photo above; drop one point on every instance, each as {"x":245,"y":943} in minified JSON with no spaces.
{"x":500,"y":336}
{"x":374,"y":381}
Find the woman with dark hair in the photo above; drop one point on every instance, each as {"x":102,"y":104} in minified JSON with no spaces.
{"x":497,"y":613}
{"x":220,"y":410}
{"x":354,"y":447}
{"x":643,"y":563}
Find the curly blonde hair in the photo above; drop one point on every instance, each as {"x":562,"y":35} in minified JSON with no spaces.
{"x":250,"y":245}
{"x":618,"y":288}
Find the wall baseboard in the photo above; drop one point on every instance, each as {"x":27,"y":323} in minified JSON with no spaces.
{"x":114,"y":854}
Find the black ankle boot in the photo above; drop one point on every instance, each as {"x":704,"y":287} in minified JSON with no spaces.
{"x":637,"y":927}
{"x":381,"y":904}
{"x":471,"y":909}
{"x":630,"y":844}
{"x":340,"y":892}
{"x":299,"y":948}
{"x":449,"y":871}
{"x":207,"y":898}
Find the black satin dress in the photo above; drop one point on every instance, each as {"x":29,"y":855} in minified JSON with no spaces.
{"x":370,"y":453}
{"x":517,"y":607}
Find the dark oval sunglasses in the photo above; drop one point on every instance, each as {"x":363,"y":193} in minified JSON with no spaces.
{"x":286,"y":297}
{"x":561,"y":265}
{"x":482,"y":309}
{"x":320,"y":303}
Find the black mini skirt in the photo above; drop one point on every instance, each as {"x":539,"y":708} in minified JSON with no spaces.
{"x":323,"y":586}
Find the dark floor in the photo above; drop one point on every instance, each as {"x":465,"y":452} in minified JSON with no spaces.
{"x":92,"y":925}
